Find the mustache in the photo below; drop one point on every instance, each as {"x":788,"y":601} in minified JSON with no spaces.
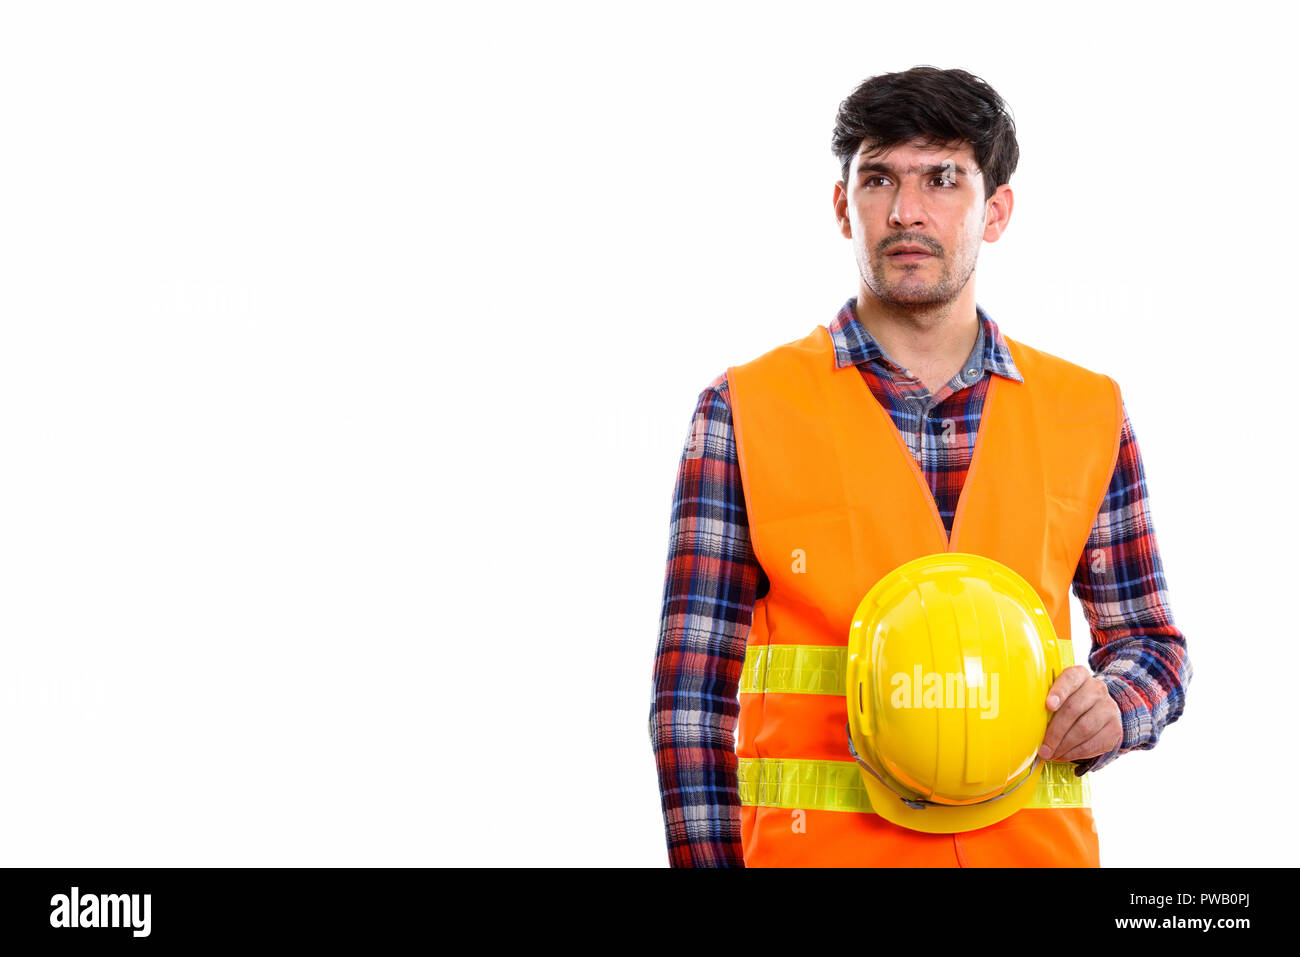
{"x":931,"y":248}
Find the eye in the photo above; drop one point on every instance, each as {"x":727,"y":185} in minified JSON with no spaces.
{"x":943,"y":181}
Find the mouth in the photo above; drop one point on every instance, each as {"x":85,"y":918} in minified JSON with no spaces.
{"x":908,"y":252}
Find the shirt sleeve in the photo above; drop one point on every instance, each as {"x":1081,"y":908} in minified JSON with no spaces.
{"x":710,"y":586}
{"x":1120,"y":582}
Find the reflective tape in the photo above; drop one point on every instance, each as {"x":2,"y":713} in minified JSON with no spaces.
{"x":794,"y":669}
{"x":837,"y":785}
{"x":809,"y":669}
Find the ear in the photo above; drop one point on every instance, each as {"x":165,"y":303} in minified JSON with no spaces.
{"x":841,"y":202}
{"x":997,"y":213}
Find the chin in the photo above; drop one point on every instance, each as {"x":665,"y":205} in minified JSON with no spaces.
{"x":914,"y":297}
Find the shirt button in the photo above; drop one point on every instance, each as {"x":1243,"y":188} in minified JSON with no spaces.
{"x":972,"y":373}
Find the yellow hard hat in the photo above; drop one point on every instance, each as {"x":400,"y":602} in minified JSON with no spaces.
{"x":950,"y":659}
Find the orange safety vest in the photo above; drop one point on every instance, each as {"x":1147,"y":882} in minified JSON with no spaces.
{"x":835,"y":501}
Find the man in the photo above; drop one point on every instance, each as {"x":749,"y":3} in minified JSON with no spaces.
{"x":862,"y":439}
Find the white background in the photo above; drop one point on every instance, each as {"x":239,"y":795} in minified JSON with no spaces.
{"x":347,"y":352}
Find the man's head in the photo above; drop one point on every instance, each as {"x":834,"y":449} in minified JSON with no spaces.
{"x":925,"y":158}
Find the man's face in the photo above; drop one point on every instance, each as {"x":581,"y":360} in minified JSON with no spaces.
{"x":929,"y":198}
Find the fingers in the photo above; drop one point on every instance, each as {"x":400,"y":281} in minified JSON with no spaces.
{"x":1086,"y":731}
{"x":1066,"y":683}
{"x":1100,"y":743}
{"x":1075,"y":721}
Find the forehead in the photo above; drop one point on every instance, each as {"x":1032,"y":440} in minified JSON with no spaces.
{"x":915,"y":157}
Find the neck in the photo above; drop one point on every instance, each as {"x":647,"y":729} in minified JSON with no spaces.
{"x":923,"y":338}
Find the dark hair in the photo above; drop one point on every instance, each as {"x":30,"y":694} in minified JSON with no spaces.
{"x":940,"y":107}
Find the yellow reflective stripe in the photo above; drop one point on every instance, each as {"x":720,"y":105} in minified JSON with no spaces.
{"x":1067,"y":653}
{"x":1059,"y":787}
{"x":837,"y":785}
{"x":794,"y":669}
{"x":812,"y":785}
{"x":810,"y":669}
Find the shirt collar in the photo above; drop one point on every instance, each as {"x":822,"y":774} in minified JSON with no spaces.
{"x":854,"y":345}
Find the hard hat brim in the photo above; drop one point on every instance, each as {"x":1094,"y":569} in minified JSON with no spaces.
{"x":949,"y":820}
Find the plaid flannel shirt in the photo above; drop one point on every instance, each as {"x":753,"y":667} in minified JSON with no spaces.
{"x":713,"y":579}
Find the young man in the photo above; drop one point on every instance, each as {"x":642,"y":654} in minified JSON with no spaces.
{"x":908,"y":425}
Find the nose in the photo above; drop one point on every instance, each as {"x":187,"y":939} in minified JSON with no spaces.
{"x":909,"y":205}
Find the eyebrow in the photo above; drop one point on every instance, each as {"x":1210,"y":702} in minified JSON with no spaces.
{"x":871,"y":166}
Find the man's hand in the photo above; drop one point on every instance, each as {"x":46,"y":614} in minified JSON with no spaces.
{"x":1087,"y":719}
